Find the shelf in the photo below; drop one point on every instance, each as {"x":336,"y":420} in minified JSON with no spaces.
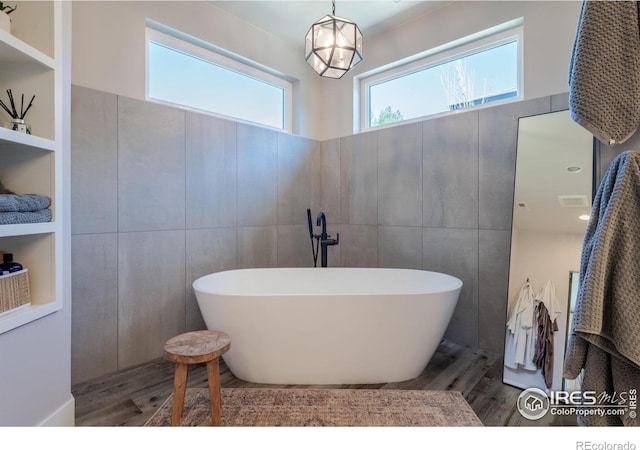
{"x":13,"y":50}
{"x":8,"y":136}
{"x":36,"y":247}
{"x":14,"y":319}
{"x":27,"y":229}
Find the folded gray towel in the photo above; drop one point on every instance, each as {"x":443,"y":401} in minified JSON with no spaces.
{"x":23,"y":203}
{"x":10,"y":218}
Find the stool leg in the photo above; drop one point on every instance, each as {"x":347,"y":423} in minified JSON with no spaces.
{"x":213,"y":375}
{"x":179,"y":391}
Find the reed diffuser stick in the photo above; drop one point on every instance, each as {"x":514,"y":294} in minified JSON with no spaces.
{"x":28,"y":107}
{"x":13,"y":105}
{"x":7,"y":109}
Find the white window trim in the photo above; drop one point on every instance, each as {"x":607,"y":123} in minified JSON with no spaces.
{"x":209,"y":52}
{"x":478,"y":42}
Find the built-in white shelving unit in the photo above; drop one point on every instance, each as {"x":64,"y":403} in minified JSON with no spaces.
{"x":31,"y":64}
{"x":25,"y":140}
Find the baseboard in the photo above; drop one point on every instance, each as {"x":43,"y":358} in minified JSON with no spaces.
{"x":64,"y":416}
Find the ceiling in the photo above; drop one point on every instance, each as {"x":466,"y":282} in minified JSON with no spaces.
{"x":547,"y":145}
{"x":290,"y":20}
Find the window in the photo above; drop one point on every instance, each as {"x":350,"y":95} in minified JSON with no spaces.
{"x":481,"y":71}
{"x":193,"y":74}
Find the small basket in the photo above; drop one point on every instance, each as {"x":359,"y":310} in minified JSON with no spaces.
{"x":14,"y":291}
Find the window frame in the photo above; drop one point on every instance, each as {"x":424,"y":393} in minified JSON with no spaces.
{"x":476,"y":43}
{"x":180,"y":42}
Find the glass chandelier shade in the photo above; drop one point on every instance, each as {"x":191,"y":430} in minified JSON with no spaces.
{"x":333,"y":46}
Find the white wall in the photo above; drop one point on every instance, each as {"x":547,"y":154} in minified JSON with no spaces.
{"x":549,"y":31}
{"x":542,"y":256}
{"x":109,"y":49}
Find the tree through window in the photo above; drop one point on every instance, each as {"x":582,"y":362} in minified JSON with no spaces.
{"x":479,"y":73}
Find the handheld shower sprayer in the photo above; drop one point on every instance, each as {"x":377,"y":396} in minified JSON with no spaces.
{"x":314,"y":250}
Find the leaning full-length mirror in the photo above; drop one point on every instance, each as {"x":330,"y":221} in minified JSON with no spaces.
{"x":552,"y":202}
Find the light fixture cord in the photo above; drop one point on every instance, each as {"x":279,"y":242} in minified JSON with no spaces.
{"x":333,"y":9}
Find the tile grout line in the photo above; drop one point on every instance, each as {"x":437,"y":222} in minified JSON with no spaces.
{"x":184,"y":235}
{"x":478,"y":231}
{"x":117,"y":231}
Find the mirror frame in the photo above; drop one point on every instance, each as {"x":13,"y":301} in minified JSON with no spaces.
{"x":595,"y":180}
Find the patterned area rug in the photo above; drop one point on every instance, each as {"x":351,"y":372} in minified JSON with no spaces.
{"x":248,"y":407}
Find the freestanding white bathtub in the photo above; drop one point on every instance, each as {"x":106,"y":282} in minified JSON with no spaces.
{"x":328,"y":325}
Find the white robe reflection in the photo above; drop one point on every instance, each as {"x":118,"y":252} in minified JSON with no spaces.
{"x":520,"y":341}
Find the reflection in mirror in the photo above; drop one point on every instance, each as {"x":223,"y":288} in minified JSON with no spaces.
{"x":552,"y":199}
{"x":574,"y":283}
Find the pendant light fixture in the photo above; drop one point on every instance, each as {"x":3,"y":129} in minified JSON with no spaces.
{"x":333,"y":45}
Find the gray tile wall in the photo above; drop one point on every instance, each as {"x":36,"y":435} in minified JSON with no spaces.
{"x":400,"y":176}
{"x":178,"y":195}
{"x":162,"y":196}
{"x":212,"y":168}
{"x":450,"y":166}
{"x":94,"y":152}
{"x":443,"y":192}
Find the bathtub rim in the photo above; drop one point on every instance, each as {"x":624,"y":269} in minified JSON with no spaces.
{"x":196,"y":284}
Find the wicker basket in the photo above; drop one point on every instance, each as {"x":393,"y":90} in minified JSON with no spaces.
{"x":14,"y":291}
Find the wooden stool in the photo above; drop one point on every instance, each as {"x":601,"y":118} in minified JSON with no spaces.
{"x":196,"y":347}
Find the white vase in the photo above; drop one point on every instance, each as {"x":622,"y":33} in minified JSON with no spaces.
{"x":5,"y":22}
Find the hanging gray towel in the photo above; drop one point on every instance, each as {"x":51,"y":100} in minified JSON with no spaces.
{"x":605,"y":341}
{"x":604,"y":80}
{"x":23,"y":203}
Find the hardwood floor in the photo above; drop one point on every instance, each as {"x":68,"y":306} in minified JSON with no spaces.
{"x":129,"y":397}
